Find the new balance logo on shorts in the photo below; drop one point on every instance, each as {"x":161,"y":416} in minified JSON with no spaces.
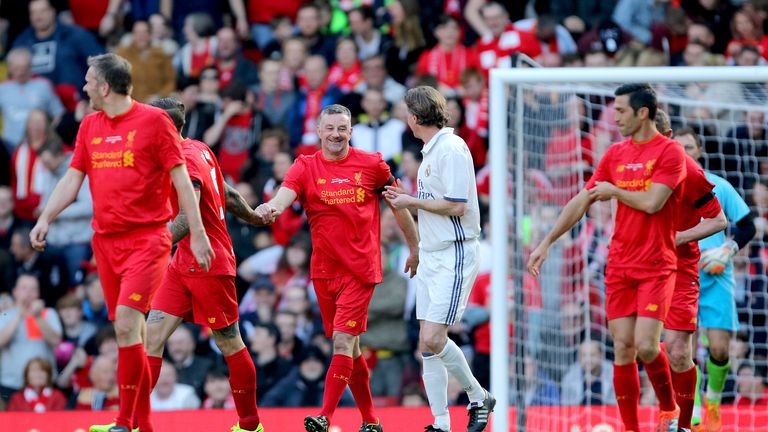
{"x":652,"y":307}
{"x":135,"y":297}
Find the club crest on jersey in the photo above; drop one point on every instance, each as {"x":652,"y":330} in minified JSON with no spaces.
{"x":129,"y":138}
{"x":358,"y":178}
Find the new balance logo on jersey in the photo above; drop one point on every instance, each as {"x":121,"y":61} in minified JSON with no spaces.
{"x":97,"y":140}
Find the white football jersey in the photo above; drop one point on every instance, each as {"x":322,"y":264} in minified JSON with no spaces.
{"x":447,"y":172}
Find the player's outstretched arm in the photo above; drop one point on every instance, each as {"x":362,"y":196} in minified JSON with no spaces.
{"x":571,"y":214}
{"x":237,"y":205}
{"x":398,"y":199}
{"x":650,"y":201}
{"x":408,"y":226}
{"x":201,"y":246}
{"x":61,"y":197}
{"x":269,"y":211}
{"x":703,"y":229}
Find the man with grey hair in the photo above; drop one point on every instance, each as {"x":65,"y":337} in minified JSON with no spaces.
{"x":131,"y":153}
{"x":23,"y":93}
{"x":340,"y":186}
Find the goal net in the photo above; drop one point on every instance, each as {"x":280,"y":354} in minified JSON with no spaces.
{"x":549,"y":129}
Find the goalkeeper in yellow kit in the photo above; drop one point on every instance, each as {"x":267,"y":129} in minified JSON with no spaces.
{"x":717,"y":308}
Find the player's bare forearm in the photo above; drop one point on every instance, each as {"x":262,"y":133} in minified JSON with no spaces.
{"x":569,"y":216}
{"x":703,"y":229}
{"x":188,"y":199}
{"x":179,"y":227}
{"x":650,"y":201}
{"x":443,"y":207}
{"x":237,"y":205}
{"x":63,"y":195}
{"x":283,"y":199}
{"x":408,"y":226}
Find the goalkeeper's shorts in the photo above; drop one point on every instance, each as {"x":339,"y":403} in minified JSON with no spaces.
{"x":638,"y":292}
{"x":685,"y":302}
{"x":717,"y":307}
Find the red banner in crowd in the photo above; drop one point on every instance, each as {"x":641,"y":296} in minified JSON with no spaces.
{"x":396,"y":419}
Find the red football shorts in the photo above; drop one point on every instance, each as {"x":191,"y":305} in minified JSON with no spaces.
{"x":685,"y":303}
{"x":206,"y":300}
{"x":643,"y":293}
{"x":343,"y":304}
{"x":131,"y":266}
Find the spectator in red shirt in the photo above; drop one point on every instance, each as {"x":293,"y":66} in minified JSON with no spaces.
{"x":38,"y":394}
{"x":751,"y":387}
{"x":103,"y":393}
{"x":346,"y":72}
{"x":496,"y":47}
{"x":745,"y":30}
{"x":449,"y":57}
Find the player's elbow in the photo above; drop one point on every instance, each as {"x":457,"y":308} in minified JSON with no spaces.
{"x":721,"y":222}
{"x":654,"y":206}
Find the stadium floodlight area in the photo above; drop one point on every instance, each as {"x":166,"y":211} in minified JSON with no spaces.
{"x":549,"y":128}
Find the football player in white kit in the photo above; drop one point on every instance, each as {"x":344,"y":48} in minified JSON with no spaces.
{"x":449,"y":228}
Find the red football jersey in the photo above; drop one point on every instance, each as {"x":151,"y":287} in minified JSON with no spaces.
{"x":204,"y":170}
{"x":341,"y":199}
{"x":127,"y":159}
{"x":641,"y":240}
{"x":694,"y":206}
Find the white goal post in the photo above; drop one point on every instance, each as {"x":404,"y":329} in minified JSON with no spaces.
{"x":507,"y":192}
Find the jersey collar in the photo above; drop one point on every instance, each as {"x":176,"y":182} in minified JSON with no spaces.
{"x":428,"y":146}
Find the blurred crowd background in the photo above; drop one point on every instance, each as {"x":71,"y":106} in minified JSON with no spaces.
{"x":254,"y":75}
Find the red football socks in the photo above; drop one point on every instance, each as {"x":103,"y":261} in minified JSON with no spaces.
{"x":360,"y":384}
{"x":661,"y":379}
{"x":685,"y":393}
{"x":626,"y":382}
{"x":336,"y":380}
{"x":242,"y":380}
{"x":130,"y":368}
{"x":141,"y":417}
{"x":155,"y":364}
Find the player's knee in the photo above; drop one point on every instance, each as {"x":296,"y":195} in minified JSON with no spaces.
{"x":228,"y":340}
{"x":647,"y":349}
{"x":719,"y":353}
{"x":125,"y":328}
{"x":343,"y":343}
{"x":679,"y":357}
{"x":432,"y":341}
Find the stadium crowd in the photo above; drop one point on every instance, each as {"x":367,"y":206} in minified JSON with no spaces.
{"x":254,"y":75}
